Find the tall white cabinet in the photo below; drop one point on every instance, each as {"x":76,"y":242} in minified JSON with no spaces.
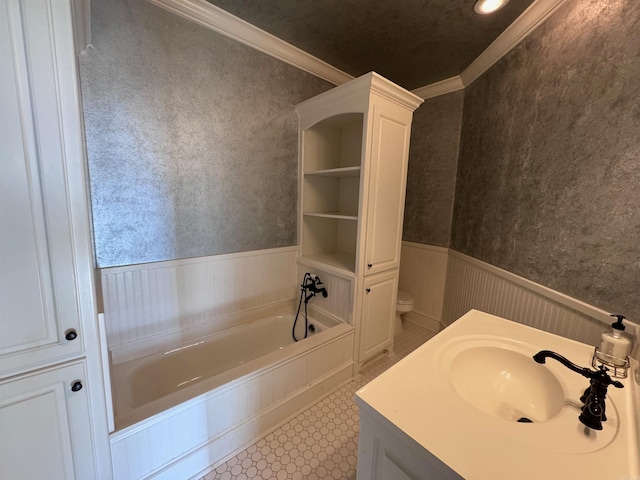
{"x":354,"y":148}
{"x":53,"y":421}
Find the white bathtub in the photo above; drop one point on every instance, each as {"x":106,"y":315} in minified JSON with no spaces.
{"x":190,"y":406}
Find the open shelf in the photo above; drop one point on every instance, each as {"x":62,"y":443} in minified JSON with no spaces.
{"x":343,"y":172}
{"x":331,"y":195}
{"x":338,"y":215}
{"x":332,"y":159}
{"x":340,"y":261}
{"x":334,"y":143}
{"x":331,"y":238}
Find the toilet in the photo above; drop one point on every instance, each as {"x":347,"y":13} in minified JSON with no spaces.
{"x":404,"y":304}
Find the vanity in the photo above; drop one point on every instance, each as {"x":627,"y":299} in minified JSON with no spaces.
{"x":472,"y":403}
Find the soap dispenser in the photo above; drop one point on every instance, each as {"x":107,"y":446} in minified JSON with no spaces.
{"x":614,"y":347}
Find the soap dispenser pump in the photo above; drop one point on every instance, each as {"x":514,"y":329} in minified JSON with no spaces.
{"x":614,"y":347}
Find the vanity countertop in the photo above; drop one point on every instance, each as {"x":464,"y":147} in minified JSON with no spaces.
{"x":417,"y":398}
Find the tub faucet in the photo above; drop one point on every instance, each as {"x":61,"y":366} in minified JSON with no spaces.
{"x":313,"y":285}
{"x":592,"y":413}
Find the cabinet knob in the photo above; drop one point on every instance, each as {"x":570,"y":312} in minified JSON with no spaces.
{"x":77,"y":386}
{"x":71,"y":334}
{"x":369,"y":265}
{"x":367,"y":290}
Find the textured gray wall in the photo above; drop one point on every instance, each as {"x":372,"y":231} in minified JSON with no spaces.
{"x":548,"y":185}
{"x":192,"y":138}
{"x":431,"y":179}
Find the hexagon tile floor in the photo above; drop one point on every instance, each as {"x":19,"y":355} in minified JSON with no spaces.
{"x":321,"y":442}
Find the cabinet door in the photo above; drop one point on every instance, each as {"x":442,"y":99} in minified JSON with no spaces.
{"x":38,"y":302}
{"x":387,"y":182}
{"x":387,"y":453}
{"x":378,"y":313}
{"x":46,"y":427}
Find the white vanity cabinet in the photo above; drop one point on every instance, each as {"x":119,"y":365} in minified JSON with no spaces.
{"x":53,"y":420}
{"x":387,"y":453}
{"x":354,"y":148}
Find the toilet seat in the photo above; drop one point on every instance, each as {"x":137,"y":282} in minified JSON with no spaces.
{"x":404,"y":298}
{"x":404,"y":304}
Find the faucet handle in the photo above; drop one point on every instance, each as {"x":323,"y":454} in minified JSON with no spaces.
{"x":601,"y":376}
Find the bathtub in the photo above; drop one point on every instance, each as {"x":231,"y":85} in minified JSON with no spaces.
{"x":180,"y":411}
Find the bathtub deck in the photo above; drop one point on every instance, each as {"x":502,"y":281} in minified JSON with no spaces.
{"x":321,"y":442}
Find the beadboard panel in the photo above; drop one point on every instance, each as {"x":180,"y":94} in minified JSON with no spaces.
{"x":144,"y":300}
{"x":423,"y":270}
{"x":472,"y":284}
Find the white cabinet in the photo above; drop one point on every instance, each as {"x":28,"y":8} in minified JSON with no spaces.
{"x":46,"y":425}
{"x":48,"y":318}
{"x":378,"y":300}
{"x":354,"y":147}
{"x":387,"y":163}
{"x":37,"y":284}
{"x":387,"y":453}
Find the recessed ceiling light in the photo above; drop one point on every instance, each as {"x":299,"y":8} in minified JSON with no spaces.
{"x":484,"y":7}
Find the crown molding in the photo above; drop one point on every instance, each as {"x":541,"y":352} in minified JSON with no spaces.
{"x":220,"y":21}
{"x":393,"y":92}
{"x":448,"y":85}
{"x":526,"y":23}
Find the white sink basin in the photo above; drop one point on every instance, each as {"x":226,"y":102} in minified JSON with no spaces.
{"x":506,"y":384}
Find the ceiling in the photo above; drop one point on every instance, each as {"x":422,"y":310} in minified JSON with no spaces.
{"x":411,"y":42}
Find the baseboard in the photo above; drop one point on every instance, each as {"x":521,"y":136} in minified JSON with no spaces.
{"x":430,"y":323}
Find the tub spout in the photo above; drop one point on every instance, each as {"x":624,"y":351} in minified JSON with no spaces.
{"x":592,"y":413}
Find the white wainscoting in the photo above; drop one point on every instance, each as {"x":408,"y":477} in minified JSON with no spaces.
{"x":423,"y":270}
{"x":141,"y":301}
{"x":471,"y":283}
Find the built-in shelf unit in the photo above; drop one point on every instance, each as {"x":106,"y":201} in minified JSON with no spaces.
{"x":354,"y":147}
{"x":332,"y":160}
